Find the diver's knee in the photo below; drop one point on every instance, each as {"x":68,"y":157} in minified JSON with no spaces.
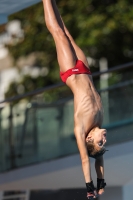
{"x":58,"y":32}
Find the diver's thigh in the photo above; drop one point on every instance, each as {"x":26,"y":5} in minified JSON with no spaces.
{"x":65,"y":55}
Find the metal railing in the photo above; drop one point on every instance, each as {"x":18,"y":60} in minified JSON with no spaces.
{"x":28,"y":126}
{"x":51,"y":87}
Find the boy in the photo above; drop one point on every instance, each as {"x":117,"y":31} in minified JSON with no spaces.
{"x":88,"y":111}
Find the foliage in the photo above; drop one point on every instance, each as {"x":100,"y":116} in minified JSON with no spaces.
{"x":101,"y":28}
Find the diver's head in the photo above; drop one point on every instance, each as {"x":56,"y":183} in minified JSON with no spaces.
{"x":95,"y":141}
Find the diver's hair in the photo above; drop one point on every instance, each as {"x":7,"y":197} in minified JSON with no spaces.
{"x":94,"y":152}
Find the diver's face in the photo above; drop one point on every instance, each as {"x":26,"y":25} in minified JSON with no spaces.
{"x":99,"y":137}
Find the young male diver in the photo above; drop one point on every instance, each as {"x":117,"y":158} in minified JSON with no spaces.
{"x":88,"y":111}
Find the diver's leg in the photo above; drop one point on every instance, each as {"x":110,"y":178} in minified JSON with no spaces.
{"x":65,"y":54}
{"x":76,"y":49}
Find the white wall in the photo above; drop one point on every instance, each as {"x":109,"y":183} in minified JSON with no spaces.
{"x":68,"y":172}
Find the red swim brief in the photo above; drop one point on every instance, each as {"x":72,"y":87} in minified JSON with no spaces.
{"x":79,"y":68}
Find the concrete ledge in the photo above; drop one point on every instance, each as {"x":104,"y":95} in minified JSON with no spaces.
{"x":67,"y":172}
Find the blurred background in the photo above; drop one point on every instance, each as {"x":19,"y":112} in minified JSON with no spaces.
{"x":38,"y":154}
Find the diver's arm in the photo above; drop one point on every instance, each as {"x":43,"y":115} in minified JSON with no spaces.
{"x":99,"y":166}
{"x":81,"y":143}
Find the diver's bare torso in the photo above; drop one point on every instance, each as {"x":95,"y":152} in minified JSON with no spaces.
{"x":87,"y":102}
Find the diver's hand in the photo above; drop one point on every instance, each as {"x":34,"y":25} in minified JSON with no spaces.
{"x":100,"y":192}
{"x":91,"y":191}
{"x":92,"y":195}
{"x":100,"y":186}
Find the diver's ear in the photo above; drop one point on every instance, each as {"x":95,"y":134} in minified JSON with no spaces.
{"x":89,"y":138}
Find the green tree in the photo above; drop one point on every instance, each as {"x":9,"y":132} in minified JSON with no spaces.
{"x":101,"y":28}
